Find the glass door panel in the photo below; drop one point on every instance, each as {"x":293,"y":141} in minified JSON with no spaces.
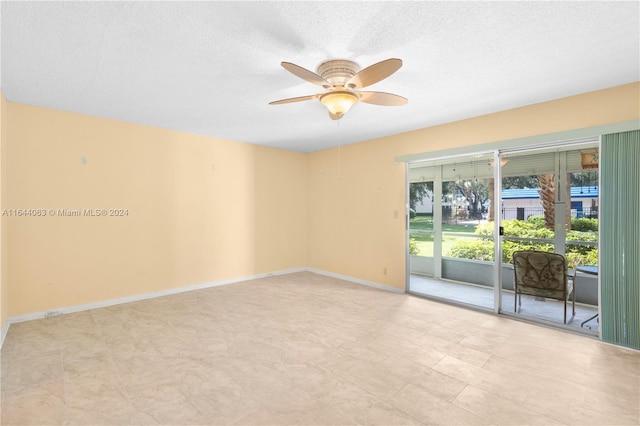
{"x":542,"y":209}
{"x":454,"y":242}
{"x":421,"y":232}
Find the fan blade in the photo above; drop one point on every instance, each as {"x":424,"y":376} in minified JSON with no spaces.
{"x":290,"y":100}
{"x":382,"y":98}
{"x":374,"y":73}
{"x":305,"y":74}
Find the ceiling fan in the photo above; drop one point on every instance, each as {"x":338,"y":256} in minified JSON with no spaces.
{"x":342,"y":77}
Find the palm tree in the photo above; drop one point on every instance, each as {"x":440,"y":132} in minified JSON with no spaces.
{"x":547,"y":197}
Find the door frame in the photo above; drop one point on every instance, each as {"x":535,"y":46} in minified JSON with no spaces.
{"x":497,"y":153}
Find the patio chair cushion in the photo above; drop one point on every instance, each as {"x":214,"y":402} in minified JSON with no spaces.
{"x":541,"y":274}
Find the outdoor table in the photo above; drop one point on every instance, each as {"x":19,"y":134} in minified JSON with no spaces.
{"x":591,"y":270}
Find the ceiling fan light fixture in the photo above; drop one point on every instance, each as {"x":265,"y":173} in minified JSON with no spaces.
{"x":339,"y":102}
{"x":342,"y":77}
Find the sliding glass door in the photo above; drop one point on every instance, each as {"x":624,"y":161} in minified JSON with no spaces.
{"x":549,"y":203}
{"x":543,"y":198}
{"x":451,"y":241}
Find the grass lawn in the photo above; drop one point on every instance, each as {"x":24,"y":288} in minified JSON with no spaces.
{"x":425,"y":223}
{"x":424,"y":242}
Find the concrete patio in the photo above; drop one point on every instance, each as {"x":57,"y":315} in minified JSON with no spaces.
{"x":482,"y":296}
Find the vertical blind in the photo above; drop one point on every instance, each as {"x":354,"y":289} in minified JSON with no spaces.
{"x":620,"y":238}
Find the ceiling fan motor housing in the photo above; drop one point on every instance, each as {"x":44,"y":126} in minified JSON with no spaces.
{"x":338,"y":71}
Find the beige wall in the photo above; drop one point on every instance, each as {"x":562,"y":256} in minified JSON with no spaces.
{"x":356,"y":211}
{"x":200,"y":209}
{"x":4,"y":288}
{"x":203,"y":210}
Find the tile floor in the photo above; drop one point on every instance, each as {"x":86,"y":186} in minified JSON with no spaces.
{"x":308,"y":349}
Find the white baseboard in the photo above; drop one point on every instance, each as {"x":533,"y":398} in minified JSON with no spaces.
{"x":357,"y":280}
{"x":144,"y":296}
{"x":3,"y":333}
{"x":138,"y":297}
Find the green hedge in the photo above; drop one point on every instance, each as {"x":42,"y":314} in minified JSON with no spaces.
{"x":531,"y":228}
{"x":413,"y":246}
{"x":477,"y":250}
{"x":517,"y":228}
{"x":483,"y":249}
{"x":584,"y":224}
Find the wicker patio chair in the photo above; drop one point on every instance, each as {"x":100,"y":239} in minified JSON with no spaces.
{"x":542,"y":274}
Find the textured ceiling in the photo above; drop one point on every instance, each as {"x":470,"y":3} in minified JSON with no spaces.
{"x":212,"y":67}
